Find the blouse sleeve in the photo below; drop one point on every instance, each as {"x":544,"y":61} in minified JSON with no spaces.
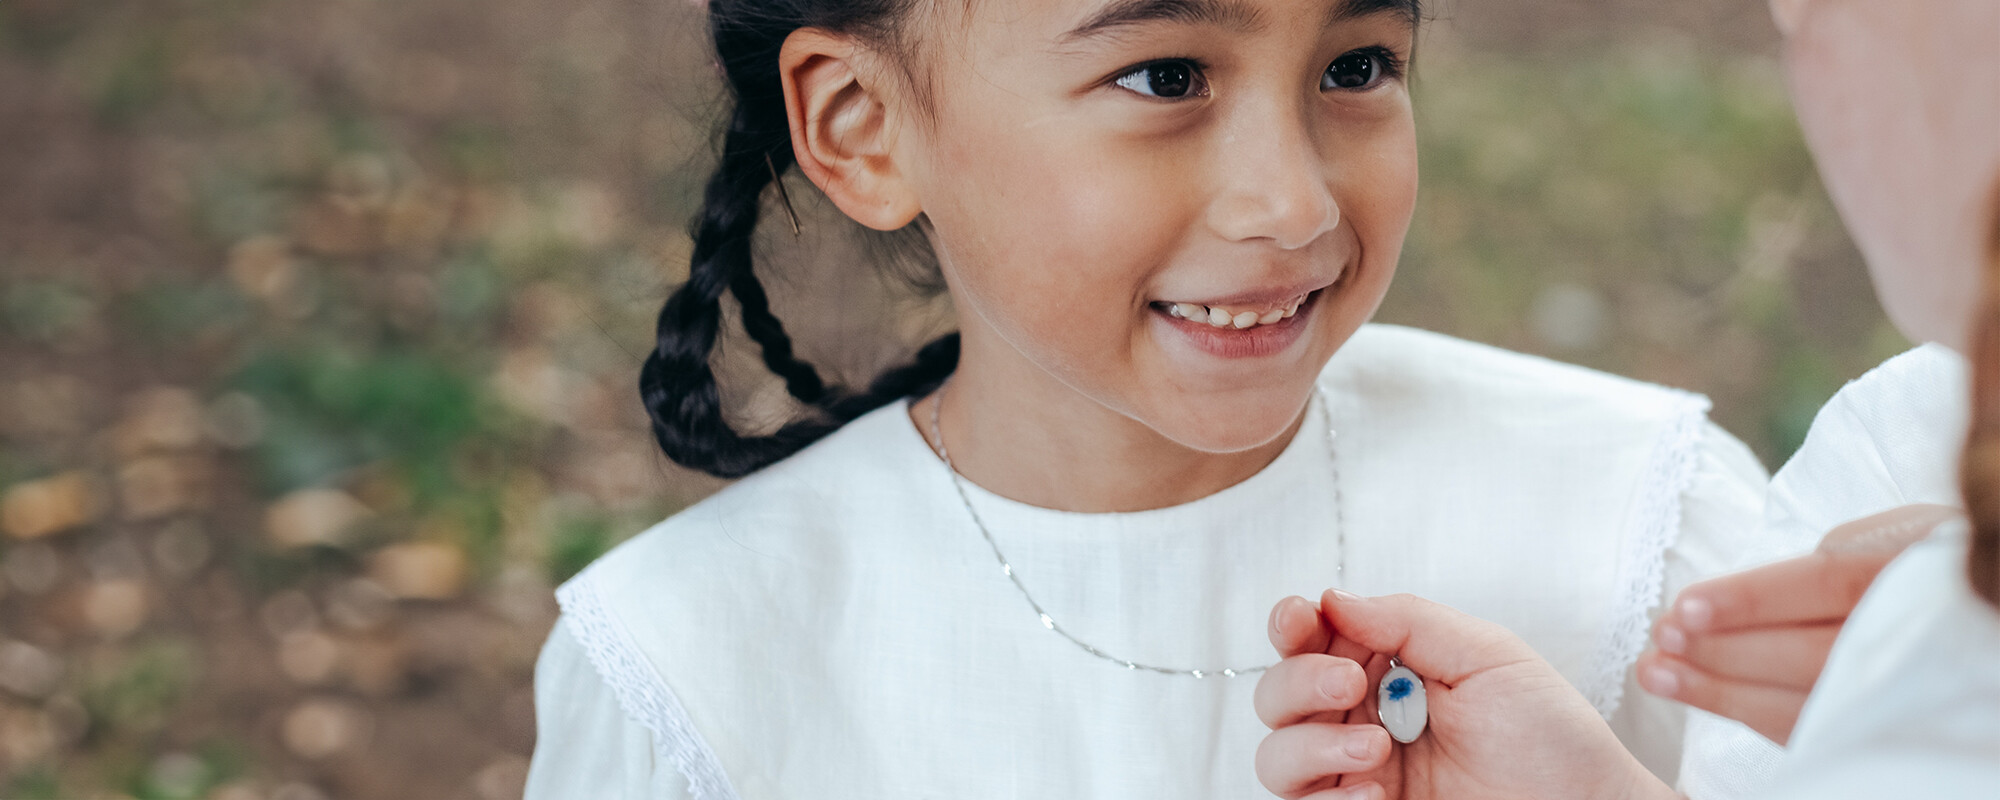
{"x":585,"y":745}
{"x":1909,"y":703}
{"x":1721,"y":531}
{"x":1889,"y":438}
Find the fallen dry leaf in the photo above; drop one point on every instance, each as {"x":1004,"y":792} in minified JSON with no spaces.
{"x":51,"y":505}
{"x":419,"y":570}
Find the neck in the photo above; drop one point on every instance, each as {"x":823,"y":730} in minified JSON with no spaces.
{"x":1032,"y":439}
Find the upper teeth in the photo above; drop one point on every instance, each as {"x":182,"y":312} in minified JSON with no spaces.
{"x":1238,"y":318}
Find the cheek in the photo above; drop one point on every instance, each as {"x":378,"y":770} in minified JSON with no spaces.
{"x":1378,"y":193}
{"x":1845,"y":113}
{"x":1392,"y":197}
{"x":1870,"y":113}
{"x":1056,"y":239}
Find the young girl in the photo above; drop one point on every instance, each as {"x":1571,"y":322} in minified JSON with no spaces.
{"x":1035,"y":562}
{"x":1901,"y":104}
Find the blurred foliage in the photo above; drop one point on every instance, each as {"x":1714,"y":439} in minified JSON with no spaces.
{"x":321,"y":322}
{"x":1650,"y":211}
{"x":329,"y":410}
{"x":576,"y":543}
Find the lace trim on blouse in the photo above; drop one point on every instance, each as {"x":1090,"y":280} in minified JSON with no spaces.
{"x":641,"y":692}
{"x":1642,"y":568}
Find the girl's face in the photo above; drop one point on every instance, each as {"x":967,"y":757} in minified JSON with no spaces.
{"x":1900,"y":102}
{"x":1176,"y":210}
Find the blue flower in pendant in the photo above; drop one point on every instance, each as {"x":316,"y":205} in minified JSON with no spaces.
{"x":1400,"y":703}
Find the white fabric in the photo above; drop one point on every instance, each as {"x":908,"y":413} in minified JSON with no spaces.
{"x":1887,"y":439}
{"x":1909,"y":704}
{"x":833,"y":626}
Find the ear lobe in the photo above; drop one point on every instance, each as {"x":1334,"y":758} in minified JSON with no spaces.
{"x":842,"y":129}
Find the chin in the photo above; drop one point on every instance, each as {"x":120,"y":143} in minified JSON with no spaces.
{"x":1924,"y":322}
{"x":1235,"y":424}
{"x":1929,"y":306}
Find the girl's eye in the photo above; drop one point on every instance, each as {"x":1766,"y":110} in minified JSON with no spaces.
{"x":1360,"y":69}
{"x":1168,"y":80}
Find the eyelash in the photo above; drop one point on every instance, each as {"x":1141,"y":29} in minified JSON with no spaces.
{"x":1196,"y":66}
{"x":1392,"y":69}
{"x":1392,"y":64}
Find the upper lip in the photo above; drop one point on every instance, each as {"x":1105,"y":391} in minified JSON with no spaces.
{"x":1263,"y":297}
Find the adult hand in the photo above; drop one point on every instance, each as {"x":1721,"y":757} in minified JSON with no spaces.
{"x":1750,"y":646}
{"x":1503,"y":723}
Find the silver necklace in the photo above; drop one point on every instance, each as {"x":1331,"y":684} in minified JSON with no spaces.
{"x":1049,"y":622}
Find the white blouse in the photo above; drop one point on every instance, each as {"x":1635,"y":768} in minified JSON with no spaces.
{"x":1909,"y":702}
{"x":834,"y":626}
{"x":1888,"y":438}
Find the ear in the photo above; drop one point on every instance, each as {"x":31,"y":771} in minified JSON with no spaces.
{"x":843,"y":129}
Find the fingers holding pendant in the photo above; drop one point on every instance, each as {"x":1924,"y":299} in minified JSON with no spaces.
{"x":1304,"y":687}
{"x":1296,"y":760}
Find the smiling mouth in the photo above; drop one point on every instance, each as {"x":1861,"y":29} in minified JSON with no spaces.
{"x":1235,"y":317}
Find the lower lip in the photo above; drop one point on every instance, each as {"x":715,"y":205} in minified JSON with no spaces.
{"x":1253,"y":342}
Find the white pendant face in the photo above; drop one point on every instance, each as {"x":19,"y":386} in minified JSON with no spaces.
{"x":1401,"y":706}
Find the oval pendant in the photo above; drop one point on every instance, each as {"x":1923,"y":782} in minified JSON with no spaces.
{"x":1400,"y":704}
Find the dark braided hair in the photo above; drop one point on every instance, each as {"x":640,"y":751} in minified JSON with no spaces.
{"x":677,"y":384}
{"x":1979,"y":468}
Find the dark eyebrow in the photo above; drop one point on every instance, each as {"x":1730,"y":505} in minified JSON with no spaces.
{"x":1409,"y":10}
{"x":1226,"y":13}
{"x":1126,"y":13}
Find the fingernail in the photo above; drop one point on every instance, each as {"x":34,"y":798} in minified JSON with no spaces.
{"x":1660,"y":681}
{"x":1360,"y":745}
{"x":1344,"y":596}
{"x":1672,"y":640}
{"x":1696,"y":613}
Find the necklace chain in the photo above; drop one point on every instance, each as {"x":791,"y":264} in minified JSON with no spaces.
{"x":1049,"y":622}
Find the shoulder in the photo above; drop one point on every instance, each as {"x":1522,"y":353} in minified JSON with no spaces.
{"x":788,"y":516}
{"x":724,"y":582}
{"x":1469,"y":393}
{"x":585,"y":744}
{"x":693,"y":586}
{"x":1395,"y":365}
{"x":1911,"y":404}
{"x":1929,"y":375}
{"x":1888,"y":438}
{"x":1407,"y":365}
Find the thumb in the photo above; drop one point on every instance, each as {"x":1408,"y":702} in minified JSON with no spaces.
{"x":1439,"y":642}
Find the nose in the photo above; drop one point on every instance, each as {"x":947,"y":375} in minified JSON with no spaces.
{"x":1274,"y":183}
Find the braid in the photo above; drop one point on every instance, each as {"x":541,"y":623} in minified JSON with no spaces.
{"x":1979,"y":469}
{"x":801,"y":380}
{"x":677,"y":383}
{"x":934,"y":363}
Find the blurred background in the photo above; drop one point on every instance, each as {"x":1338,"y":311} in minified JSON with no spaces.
{"x":321,"y":323}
